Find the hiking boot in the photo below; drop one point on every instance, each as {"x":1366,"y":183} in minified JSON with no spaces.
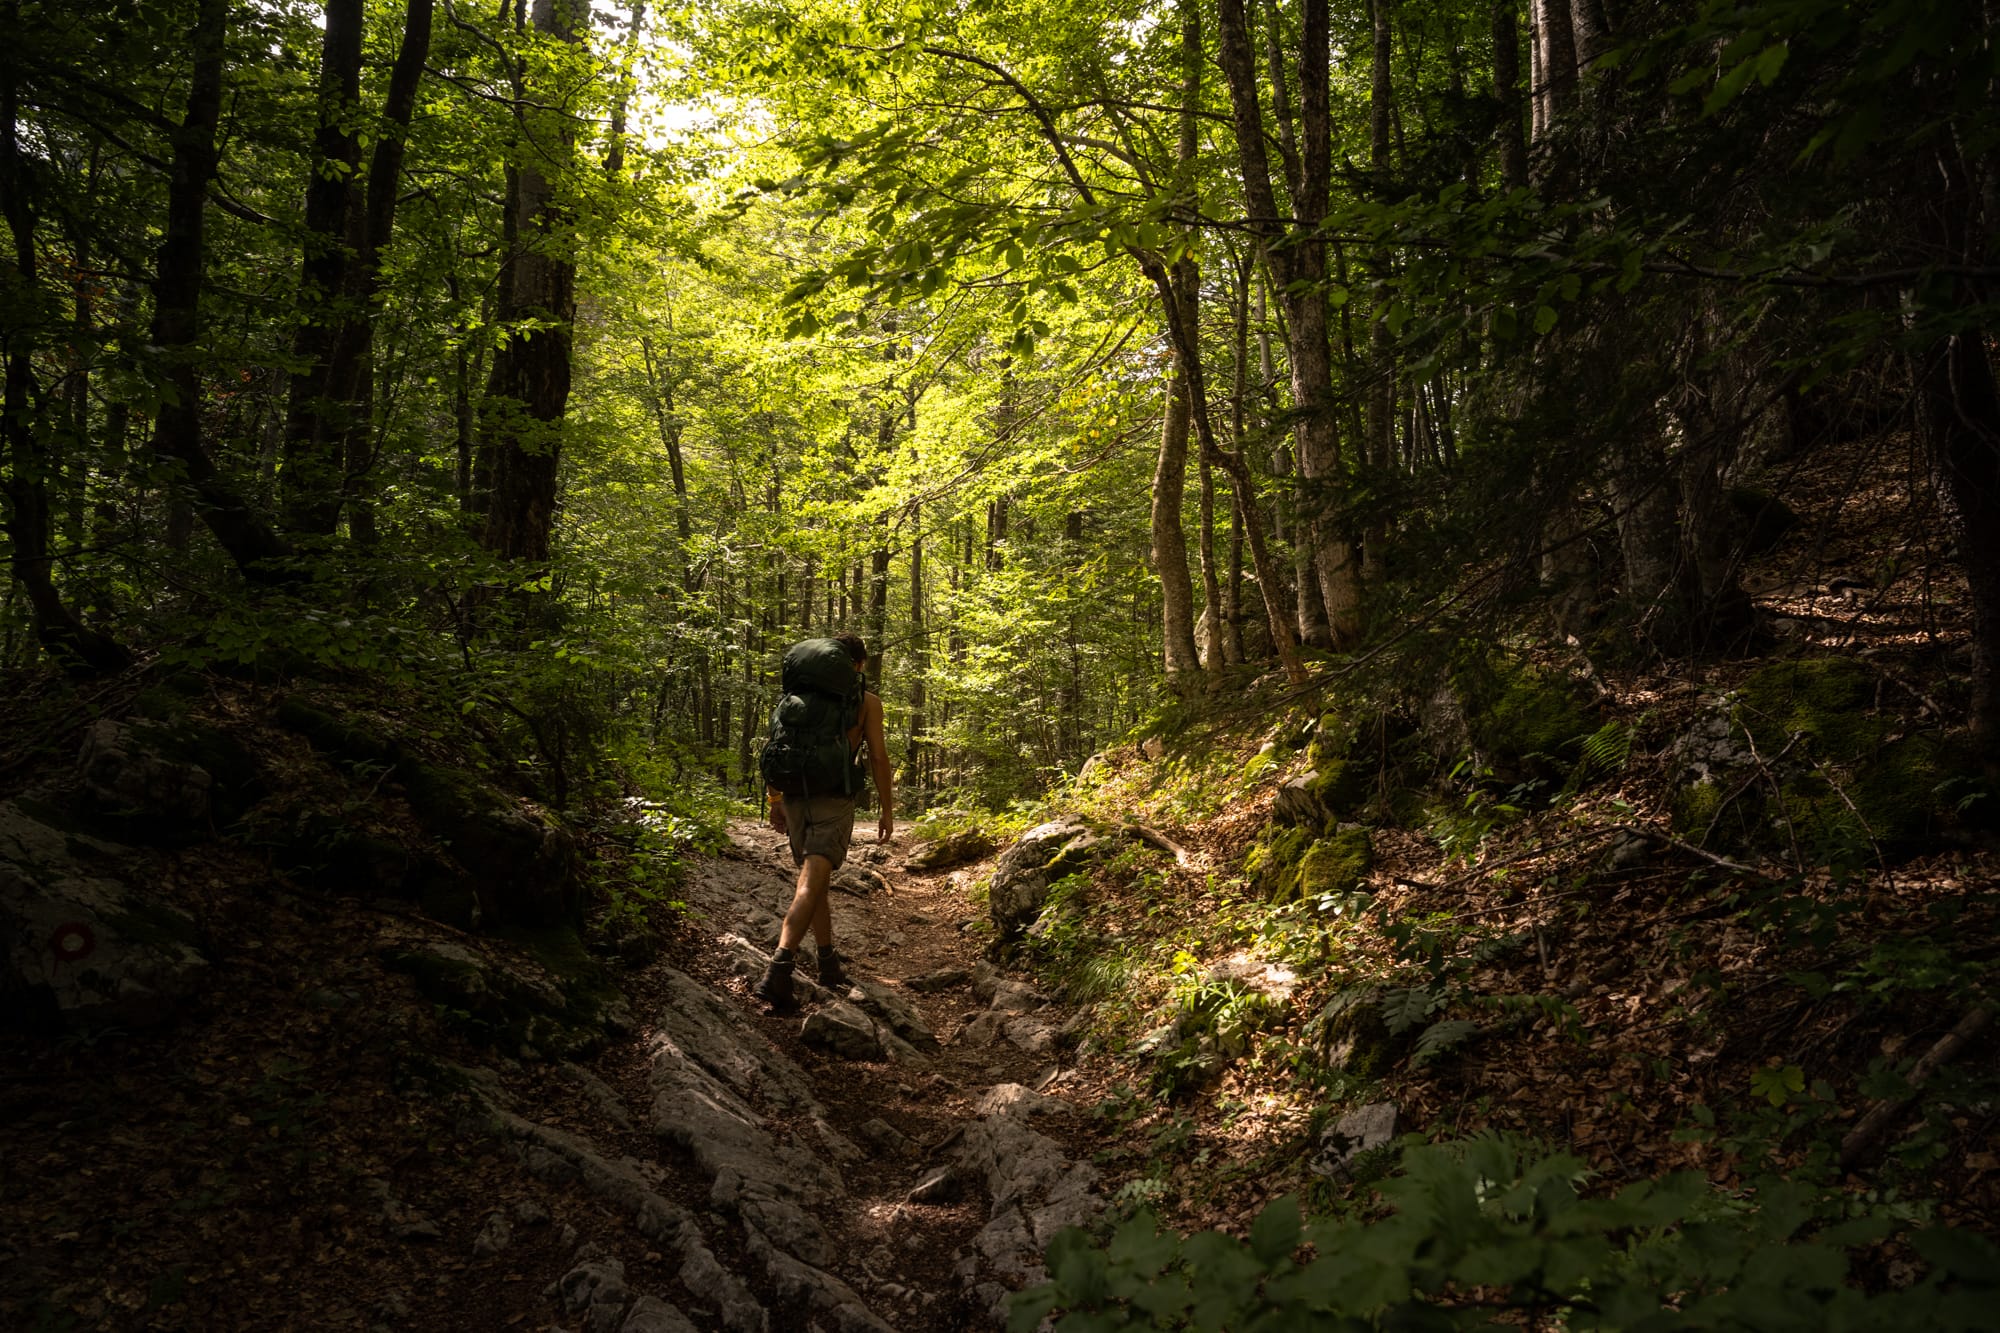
{"x":775,"y":987}
{"x":831,"y":974}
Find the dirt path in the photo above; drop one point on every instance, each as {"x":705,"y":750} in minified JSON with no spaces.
{"x":919,"y":1168}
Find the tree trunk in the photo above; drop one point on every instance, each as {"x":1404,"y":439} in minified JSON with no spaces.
{"x":76,"y":647}
{"x":1180,"y":655}
{"x":1297,"y":263}
{"x":1958,"y":420}
{"x":1187,"y":344}
{"x":316,"y":419}
{"x":1556,"y":39}
{"x":176,"y":330}
{"x":913,"y":760}
{"x":529,"y":390}
{"x":1507,"y":92}
{"x":1170,"y":560}
{"x":1381,"y":402}
{"x":355,"y":372}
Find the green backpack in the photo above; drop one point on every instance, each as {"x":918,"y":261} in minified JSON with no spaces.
{"x":806,"y":752}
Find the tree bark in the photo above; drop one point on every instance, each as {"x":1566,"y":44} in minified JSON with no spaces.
{"x":1296,"y":261}
{"x":175,"y":336}
{"x":1181,"y":656}
{"x":77,"y":648}
{"x":1381,"y":399}
{"x":1181,"y":329}
{"x":528,"y":394}
{"x":1557,"y":42}
{"x":1507,"y":92}
{"x":354,"y":373}
{"x":316,"y":418}
{"x":1958,"y":420}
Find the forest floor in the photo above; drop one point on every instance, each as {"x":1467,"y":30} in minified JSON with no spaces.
{"x":303,"y":1147}
{"x":285,"y":1156}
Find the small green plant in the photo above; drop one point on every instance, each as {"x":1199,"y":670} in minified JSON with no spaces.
{"x":1490,"y":1232}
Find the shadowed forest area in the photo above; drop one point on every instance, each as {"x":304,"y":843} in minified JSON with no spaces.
{"x":1433,"y":567}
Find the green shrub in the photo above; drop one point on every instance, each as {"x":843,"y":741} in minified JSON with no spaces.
{"x":1485,"y":1234}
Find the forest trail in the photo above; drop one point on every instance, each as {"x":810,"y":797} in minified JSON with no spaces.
{"x":890,"y":1158}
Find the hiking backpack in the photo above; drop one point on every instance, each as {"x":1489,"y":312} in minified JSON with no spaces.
{"x":806,"y":752}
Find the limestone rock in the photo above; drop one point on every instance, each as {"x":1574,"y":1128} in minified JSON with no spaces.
{"x":1034,"y":1188}
{"x":983,"y":1030}
{"x":943,"y":978}
{"x":555,"y":1155}
{"x":494,"y":1236}
{"x":885,"y":1005}
{"x":125,"y":768}
{"x":510,"y":1000}
{"x":952,"y":850}
{"x":1044,"y":854}
{"x":1030,"y":1034}
{"x":1299,"y":806}
{"x":595,"y":1288}
{"x":843,"y":1030}
{"x":885,"y":1137}
{"x":938,"y":1185}
{"x":1016,"y":997}
{"x":859,"y":881}
{"x":76,"y":943}
{"x":599,"y":1093}
{"x":1357,"y":1132}
{"x":650,"y":1314}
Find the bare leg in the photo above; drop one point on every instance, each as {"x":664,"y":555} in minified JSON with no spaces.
{"x":809,"y":910}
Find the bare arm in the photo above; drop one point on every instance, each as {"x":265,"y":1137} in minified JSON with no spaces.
{"x":878,"y":760}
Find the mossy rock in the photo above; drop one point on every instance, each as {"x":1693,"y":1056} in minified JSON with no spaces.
{"x":336,"y":736}
{"x":1355,"y":1038}
{"x":1336,"y":864}
{"x":1516,"y":712}
{"x":564,"y":1016}
{"x":1342,"y":778}
{"x":1273,"y":860}
{"x":520,"y":865}
{"x":1287,"y":863}
{"x":1828,"y":700}
{"x":1895,"y":801}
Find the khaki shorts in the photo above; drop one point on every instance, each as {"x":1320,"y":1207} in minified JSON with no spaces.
{"x":819,"y":826}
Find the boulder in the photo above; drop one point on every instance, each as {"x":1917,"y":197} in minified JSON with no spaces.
{"x":1359,"y":1131}
{"x":1035,"y":1190}
{"x":901,"y":1017}
{"x":842,"y":1029}
{"x":1044,"y":854}
{"x":943,"y":978}
{"x":125,"y":770}
{"x":953,"y":849}
{"x":859,"y":881}
{"x":513,"y":1003}
{"x":1299,"y":805}
{"x":939,"y":1185}
{"x":76,"y":943}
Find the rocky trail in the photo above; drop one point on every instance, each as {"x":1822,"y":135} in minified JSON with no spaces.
{"x":311,"y":1146}
{"x":893,"y":1157}
{"x":230,"y":1099}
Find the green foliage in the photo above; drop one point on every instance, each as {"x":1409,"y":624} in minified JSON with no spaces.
{"x":1487,"y":1232}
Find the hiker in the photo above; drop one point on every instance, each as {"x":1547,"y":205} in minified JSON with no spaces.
{"x":813,"y":779}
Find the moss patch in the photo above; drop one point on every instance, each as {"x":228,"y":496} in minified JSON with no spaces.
{"x":1286,"y":863}
{"x":1516,"y":712}
{"x":1272,"y":862}
{"x":505,"y":1008}
{"x":1336,"y":864}
{"x":1830,"y":700}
